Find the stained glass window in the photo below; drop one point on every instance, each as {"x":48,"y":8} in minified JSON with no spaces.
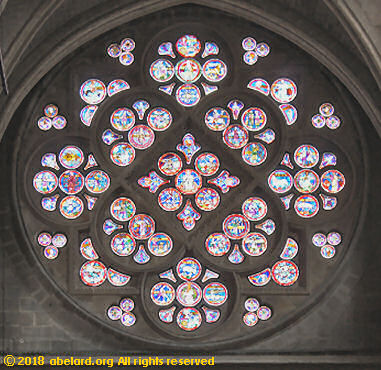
{"x":191,"y":186}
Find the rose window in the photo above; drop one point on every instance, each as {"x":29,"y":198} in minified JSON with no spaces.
{"x":187,"y":187}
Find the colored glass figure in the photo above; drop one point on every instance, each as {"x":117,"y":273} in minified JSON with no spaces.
{"x":188,"y":181}
{"x":254,"y":244}
{"x":90,"y":201}
{"x":93,"y":273}
{"x":209,"y":275}
{"x":141,"y":137}
{"x":214,"y":70}
{"x":60,"y":240}
{"x":250,"y":57}
{"x":290,"y":249}
{"x":167,"y":315}
{"x":254,"y":119}
{"x":50,"y":160}
{"x":188,"y":46}
{"x":168,"y":89}
{"x":188,"y":147}
{"x":116,"y":86}
{"x":215,"y":294}
{"x":283,"y":90}
{"x":71,"y":182}
{"x":319,"y":240}
{"x":249,"y":43}
{"x":108,"y":137}
{"x":217,"y":244}
{"x":208,"y":89}
{"x":51,"y":110}
{"x":162,"y":70}
{"x":122,"y":119}
{"x":141,"y":226}
{"x":87,"y":250}
{"x":71,"y":207}
{"x":334,"y":238}
{"x":170,"y":164}
{"x":141,"y":257}
{"x":207,"y":199}
{"x":114,"y":50}
{"x":189,"y":319}
{"x":117,"y":278}
{"x":122,"y":209}
{"x":289,"y":112}
{"x":328,"y":159}
{"x":250,"y":319}
{"x":262,"y":49}
{"x":217,"y":119}
{"x":91,"y":162}
{"x":260,"y":278}
{"x":211,"y":316}
{"x":160,"y":244}
{"x":332,"y":181}
{"x":153,"y":182}
{"x":163,"y":294}
{"x":306,"y":181}
{"x":207,"y":164}
{"x":306,"y":156}
{"x":123,"y":244}
{"x":235,"y":107}
{"x":286,"y":200}
{"x":254,"y":208}
{"x":254,"y":154}
{"x":159,"y":119}
{"x":44,"y":239}
{"x":236,"y":257}
{"x":168,"y":275}
{"x":188,"y":95}
{"x":140,"y":106}
{"x":189,"y":269}
{"x":286,"y":161}
{"x":71,"y":157}
{"x":306,"y":206}
{"x":166,"y":48}
{"x":280,"y":181}
{"x":50,"y":203}
{"x":235,"y":136}
{"x":251,"y":304}
{"x":59,"y":122}
{"x":188,"y":70}
{"x":328,"y":251}
{"x":188,"y":294}
{"x":264,"y":313}
{"x":236,"y":226}
{"x":268,"y":136}
{"x":260,"y":85}
{"x":93,"y":91}
{"x":97,"y":181}
{"x":210,"y":48}
{"x":329,"y":202}
{"x":110,"y":226}
{"x":188,"y":216}
{"x":224,"y":181}
{"x":285,"y":273}
{"x":122,"y":154}
{"x":267,"y":226}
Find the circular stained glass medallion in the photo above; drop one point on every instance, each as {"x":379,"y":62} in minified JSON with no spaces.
{"x":235,"y":136}
{"x":141,"y":137}
{"x":285,"y":273}
{"x":280,"y":181}
{"x":45,"y":182}
{"x":159,"y":119}
{"x":127,"y":44}
{"x":162,"y":70}
{"x":254,"y":154}
{"x":264,"y":313}
{"x":188,"y":95}
{"x":328,"y":251}
{"x":44,"y":239}
{"x":249,"y":43}
{"x":51,"y":252}
{"x":332,"y":181}
{"x":250,"y":57}
{"x":236,"y":226}
{"x":254,"y":208}
{"x":127,"y":304}
{"x":326,"y":109}
{"x":306,"y":156}
{"x":59,"y":240}
{"x":188,"y":46}
{"x":128,"y":319}
{"x":333,"y":122}
{"x":71,"y":157}
{"x":250,"y":319}
{"x":217,"y":119}
{"x":251,"y":304}
{"x":189,"y":269}
{"x":170,"y":164}
{"x":51,"y":110}
{"x":71,"y":182}
{"x":114,"y":50}
{"x":283,"y":90}
{"x":189,"y":319}
{"x":207,"y":199}
{"x":207,"y":164}
{"x":44,"y":123}
{"x":126,"y":58}
{"x":122,"y":244}
{"x":59,"y":122}
{"x":188,"y":70}
{"x":114,"y":313}
{"x":318,"y":121}
{"x":262,"y":49}
{"x":122,"y":154}
{"x":188,"y":181}
{"x":93,"y":273}
{"x":141,"y":226}
{"x":319,"y":240}
{"x":97,"y":181}
{"x":170,"y":199}
{"x":334,"y":238}
{"x":254,"y":119}
{"x":122,"y":119}
{"x":214,"y":70}
{"x":215,"y":294}
{"x":122,"y":209}
{"x":306,"y":206}
{"x":189,"y":294}
{"x":306,"y":181}
{"x":163,"y":294}
{"x":71,"y":207}
{"x":254,"y":244}
{"x":217,"y":244}
{"x":93,"y":91}
{"x":160,"y":244}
